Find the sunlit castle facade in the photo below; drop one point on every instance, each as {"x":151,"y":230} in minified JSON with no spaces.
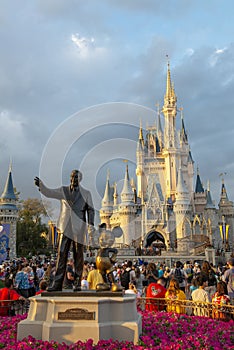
{"x":166,"y":199}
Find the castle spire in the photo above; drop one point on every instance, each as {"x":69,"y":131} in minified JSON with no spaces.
{"x":183,"y":133}
{"x":209,"y":202}
{"x":127,"y":194}
{"x":9,"y":192}
{"x":169,"y":89}
{"x":115,"y":195}
{"x":181,"y":189}
{"x":140,"y":144}
{"x":106,"y":201}
{"x":198,"y":188}
{"x":223,"y":196}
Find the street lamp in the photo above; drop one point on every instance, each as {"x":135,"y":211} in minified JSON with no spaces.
{"x":224,"y":233}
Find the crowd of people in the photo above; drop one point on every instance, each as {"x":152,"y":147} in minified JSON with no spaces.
{"x":23,"y":278}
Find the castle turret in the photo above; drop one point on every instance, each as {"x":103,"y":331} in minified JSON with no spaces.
{"x":226,"y":211}
{"x":140,"y":165}
{"x":9,"y":214}
{"x":199,"y":195}
{"x":170,"y":142}
{"x":127,"y":210}
{"x":182,"y":209}
{"x":107,"y":204}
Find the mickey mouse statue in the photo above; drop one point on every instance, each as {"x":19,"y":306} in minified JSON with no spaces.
{"x":106,"y":258}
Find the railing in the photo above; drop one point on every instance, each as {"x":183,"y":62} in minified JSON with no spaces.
{"x":188,"y":307}
{"x":14,"y":307}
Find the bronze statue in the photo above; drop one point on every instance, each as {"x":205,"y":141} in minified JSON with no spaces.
{"x":76,"y":204}
{"x":106,"y":258}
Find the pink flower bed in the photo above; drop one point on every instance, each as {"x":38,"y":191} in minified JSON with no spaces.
{"x":160,"y":331}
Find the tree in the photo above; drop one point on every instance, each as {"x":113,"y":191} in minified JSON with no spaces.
{"x":30,"y":227}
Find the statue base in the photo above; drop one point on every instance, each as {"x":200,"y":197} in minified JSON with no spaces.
{"x":81,"y":316}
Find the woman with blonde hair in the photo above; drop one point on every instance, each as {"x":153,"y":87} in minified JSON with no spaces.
{"x":174,"y":294}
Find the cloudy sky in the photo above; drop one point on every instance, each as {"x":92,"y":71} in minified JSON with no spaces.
{"x":76,"y":77}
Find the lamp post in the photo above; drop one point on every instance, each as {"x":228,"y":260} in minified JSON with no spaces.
{"x":224,"y":233}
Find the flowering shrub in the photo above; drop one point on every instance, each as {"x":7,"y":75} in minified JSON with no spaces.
{"x":161,"y":330}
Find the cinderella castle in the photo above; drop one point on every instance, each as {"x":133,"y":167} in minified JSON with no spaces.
{"x":168,"y":206}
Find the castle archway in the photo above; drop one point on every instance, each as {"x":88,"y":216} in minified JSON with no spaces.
{"x":153,"y":237}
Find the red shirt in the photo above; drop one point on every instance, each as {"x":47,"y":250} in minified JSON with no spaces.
{"x":7,"y":294}
{"x":155,"y":290}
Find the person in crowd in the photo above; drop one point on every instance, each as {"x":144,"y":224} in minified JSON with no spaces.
{"x":22,"y":282}
{"x":40,"y":271}
{"x":42,"y":287}
{"x":132,"y":290}
{"x":69,"y":277}
{"x":48,"y":274}
{"x":36,"y":279}
{"x":131,"y":271}
{"x":94,"y":278}
{"x":152,"y":273}
{"x":174,"y":294}
{"x":193,"y":286}
{"x":180,"y":275}
{"x":189,"y":271}
{"x":127,"y":275}
{"x":209,"y":274}
{"x":86,"y":268}
{"x":219,"y":300}
{"x":166,"y":275}
{"x":160,"y":271}
{"x":8,"y":293}
{"x":84,"y":282}
{"x":139,"y":279}
{"x":228,"y":278}
{"x":31,"y":290}
{"x":155,"y":291}
{"x":201,"y":295}
{"x":196,"y":269}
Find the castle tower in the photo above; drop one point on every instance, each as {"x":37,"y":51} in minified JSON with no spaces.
{"x":182,"y":209}
{"x":140,"y":165}
{"x":9,"y":214}
{"x":186,"y":157}
{"x":170,"y":142}
{"x":127,"y":211}
{"x":226,"y":210}
{"x":107,"y":204}
{"x":210,"y":215}
{"x":199,"y":195}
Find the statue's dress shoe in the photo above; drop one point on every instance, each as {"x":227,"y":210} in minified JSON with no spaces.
{"x":54,"y":289}
{"x":102,"y":287}
{"x":116,"y":287}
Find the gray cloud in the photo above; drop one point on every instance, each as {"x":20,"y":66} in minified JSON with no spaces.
{"x":45,"y":77}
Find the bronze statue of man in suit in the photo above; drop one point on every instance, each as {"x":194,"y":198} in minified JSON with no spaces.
{"x":76,"y":207}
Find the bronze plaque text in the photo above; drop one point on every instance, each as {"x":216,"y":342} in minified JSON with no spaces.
{"x":76,"y":314}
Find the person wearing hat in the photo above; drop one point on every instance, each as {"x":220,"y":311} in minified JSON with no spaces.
{"x":229,"y":279}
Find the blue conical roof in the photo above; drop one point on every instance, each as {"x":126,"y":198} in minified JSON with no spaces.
{"x":8,"y":192}
{"x":199,"y":188}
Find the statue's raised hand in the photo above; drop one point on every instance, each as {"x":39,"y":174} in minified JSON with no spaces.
{"x":37,"y":181}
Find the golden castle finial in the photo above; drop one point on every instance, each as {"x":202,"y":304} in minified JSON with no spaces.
{"x":181,"y":112}
{"x":141,"y":132}
{"x":169,"y":87}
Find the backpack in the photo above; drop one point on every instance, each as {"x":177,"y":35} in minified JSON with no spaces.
{"x":125,"y":279}
{"x":179,"y":275}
